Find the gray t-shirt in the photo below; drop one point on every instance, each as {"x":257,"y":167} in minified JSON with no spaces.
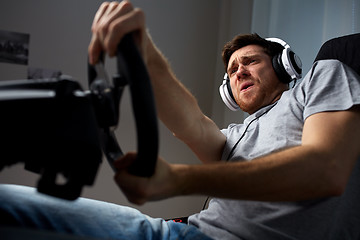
{"x":329,"y":86}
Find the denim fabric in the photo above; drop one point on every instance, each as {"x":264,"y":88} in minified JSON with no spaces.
{"x":23,"y":206}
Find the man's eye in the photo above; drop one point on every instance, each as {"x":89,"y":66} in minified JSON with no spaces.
{"x":249,"y":61}
{"x":252,"y":61}
{"x":232,"y":71}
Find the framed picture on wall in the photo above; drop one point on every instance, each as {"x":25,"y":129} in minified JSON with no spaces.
{"x":14,"y":47}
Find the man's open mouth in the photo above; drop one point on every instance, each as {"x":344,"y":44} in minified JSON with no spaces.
{"x":245,"y":86}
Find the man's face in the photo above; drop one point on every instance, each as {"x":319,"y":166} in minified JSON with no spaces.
{"x":253,"y":80}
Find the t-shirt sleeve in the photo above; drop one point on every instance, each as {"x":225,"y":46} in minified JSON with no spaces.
{"x":330,"y":86}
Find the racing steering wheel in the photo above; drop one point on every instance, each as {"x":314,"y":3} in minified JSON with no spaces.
{"x":131,"y":71}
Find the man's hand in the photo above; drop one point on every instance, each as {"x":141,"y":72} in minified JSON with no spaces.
{"x":111,"y":23}
{"x":139,"y":190}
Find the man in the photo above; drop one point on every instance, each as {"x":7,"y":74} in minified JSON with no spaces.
{"x":286,"y":173}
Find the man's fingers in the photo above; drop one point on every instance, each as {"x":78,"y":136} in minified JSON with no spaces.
{"x":133,"y":21}
{"x":125,"y":161}
{"x":99,"y":14}
{"x":112,"y":22}
{"x":94,"y":50}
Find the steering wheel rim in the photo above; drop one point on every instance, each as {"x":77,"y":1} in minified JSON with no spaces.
{"x":132,"y":71}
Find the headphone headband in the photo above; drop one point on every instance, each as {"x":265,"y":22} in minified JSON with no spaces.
{"x":278,"y":40}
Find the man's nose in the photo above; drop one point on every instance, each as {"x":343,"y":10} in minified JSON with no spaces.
{"x":242,"y":71}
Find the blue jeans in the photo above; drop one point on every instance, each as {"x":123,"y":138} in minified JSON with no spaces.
{"x":23,"y":206}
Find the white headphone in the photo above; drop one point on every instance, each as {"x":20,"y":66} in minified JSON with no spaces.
{"x":287,"y":66}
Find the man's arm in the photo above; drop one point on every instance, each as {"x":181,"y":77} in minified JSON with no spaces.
{"x":319,"y":167}
{"x":176,"y":106}
{"x":179,"y":111}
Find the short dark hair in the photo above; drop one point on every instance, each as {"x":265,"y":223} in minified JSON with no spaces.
{"x":242,"y":40}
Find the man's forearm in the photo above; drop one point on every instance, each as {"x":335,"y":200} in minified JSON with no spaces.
{"x":176,"y":106}
{"x":180,"y":112}
{"x":294,"y":174}
{"x":319,"y":167}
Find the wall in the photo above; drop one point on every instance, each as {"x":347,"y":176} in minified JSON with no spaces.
{"x":306,"y":24}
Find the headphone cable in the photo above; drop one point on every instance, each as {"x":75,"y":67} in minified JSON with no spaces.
{"x":243,"y":134}
{"x":238,"y":141}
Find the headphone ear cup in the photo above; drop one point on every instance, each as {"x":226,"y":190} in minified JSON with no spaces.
{"x":280,"y":70}
{"x":292,"y":63}
{"x":227,"y":96}
{"x":287,"y":64}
